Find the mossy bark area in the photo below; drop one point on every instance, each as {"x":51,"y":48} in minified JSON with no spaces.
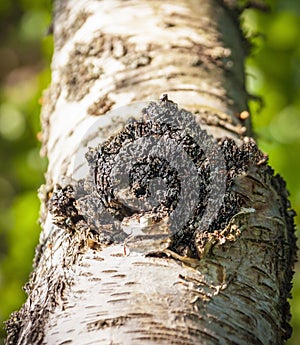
{"x":228,"y":285}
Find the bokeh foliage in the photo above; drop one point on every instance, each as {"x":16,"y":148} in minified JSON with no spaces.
{"x":273,"y":72}
{"x":25,"y":53}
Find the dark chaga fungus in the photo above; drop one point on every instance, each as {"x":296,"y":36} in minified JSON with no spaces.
{"x":152,"y":168}
{"x":144,"y":168}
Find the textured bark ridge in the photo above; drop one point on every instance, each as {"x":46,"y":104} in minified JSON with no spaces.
{"x":114,"y":265}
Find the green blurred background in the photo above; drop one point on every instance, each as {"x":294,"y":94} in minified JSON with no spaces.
{"x":273,"y":72}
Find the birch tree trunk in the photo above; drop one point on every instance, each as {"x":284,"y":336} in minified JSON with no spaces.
{"x":133,"y":277}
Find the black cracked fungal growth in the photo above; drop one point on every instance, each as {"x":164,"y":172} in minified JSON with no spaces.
{"x":142,"y":172}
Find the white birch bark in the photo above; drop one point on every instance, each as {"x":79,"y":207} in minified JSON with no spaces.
{"x":109,"y":54}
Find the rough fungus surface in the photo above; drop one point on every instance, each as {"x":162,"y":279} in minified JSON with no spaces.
{"x":120,"y":184}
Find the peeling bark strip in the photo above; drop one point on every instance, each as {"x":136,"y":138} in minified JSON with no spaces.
{"x":95,"y":280}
